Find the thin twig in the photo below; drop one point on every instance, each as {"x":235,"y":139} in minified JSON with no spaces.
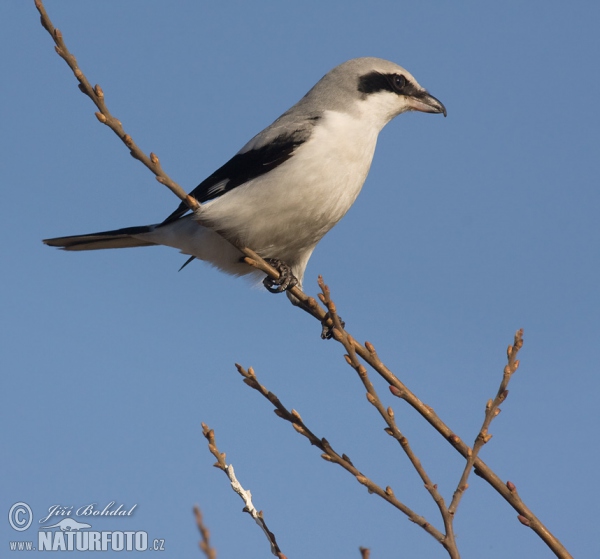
{"x":204,"y":543}
{"x":244,"y":494}
{"x":330,"y":455}
{"x":105,"y":117}
{"x":507,"y":490}
{"x":492,"y":409}
{"x":392,"y":429}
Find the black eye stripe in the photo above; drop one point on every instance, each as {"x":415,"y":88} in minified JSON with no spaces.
{"x":396,"y":83}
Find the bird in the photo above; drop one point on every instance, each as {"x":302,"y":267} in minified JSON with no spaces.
{"x":290,"y":184}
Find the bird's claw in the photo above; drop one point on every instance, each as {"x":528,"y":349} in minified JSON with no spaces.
{"x":327,"y":331}
{"x":286,"y":279}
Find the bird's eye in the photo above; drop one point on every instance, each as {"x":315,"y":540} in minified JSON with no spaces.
{"x":399,"y":82}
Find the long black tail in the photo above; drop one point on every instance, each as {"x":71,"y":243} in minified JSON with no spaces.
{"x":119,"y":238}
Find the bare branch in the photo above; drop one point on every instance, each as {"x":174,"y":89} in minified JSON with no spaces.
{"x":244,"y":494}
{"x":492,"y":409}
{"x":330,"y":455}
{"x":105,"y":117}
{"x":392,"y":429}
{"x":204,"y":543}
{"x":398,"y":388}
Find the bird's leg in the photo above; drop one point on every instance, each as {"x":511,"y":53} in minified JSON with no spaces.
{"x":286,"y":280}
{"x":327,"y":331}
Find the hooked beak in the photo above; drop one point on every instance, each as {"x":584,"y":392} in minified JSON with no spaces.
{"x":426,"y":103}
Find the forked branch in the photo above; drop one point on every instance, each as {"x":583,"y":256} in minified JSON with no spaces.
{"x":330,"y":455}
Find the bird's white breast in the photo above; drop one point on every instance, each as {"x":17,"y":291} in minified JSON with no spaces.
{"x":287,"y":211}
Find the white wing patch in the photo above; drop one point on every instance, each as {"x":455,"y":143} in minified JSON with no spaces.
{"x":216,"y":188}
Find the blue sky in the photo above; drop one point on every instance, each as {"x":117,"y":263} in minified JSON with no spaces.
{"x":467,"y":229}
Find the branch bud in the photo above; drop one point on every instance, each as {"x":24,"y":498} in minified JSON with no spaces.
{"x":326,"y":457}
{"x":154,"y":158}
{"x":396,"y":391}
{"x":390,"y":412}
{"x":362,"y":479}
{"x":371,"y":398}
{"x":100,"y":117}
{"x":128,"y":140}
{"x":388,"y":491}
{"x":98,"y":91}
{"x":511,"y":486}
{"x":298,"y":428}
{"x":337,"y":335}
{"x":454,"y":439}
{"x":486,"y":438}
{"x":523,"y":520}
{"x":389,"y":431}
{"x":296,"y":415}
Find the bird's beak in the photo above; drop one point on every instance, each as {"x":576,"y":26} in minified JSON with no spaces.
{"x":426,"y":103}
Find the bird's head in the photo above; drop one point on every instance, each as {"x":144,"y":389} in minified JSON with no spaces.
{"x":375,"y":88}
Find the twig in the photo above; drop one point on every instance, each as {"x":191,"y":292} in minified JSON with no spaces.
{"x":244,"y":494}
{"x":492,"y":409}
{"x":392,"y":429}
{"x":103,"y":115}
{"x":204,"y":543}
{"x":507,"y":490}
{"x":330,"y":455}
{"x":365,"y":552}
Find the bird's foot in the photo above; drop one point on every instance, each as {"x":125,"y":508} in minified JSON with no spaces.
{"x":327,"y":332}
{"x":286,"y":280}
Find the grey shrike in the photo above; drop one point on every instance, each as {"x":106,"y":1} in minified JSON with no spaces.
{"x":291,"y":183}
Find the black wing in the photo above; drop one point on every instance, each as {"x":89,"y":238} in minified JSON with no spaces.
{"x":243,"y":167}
